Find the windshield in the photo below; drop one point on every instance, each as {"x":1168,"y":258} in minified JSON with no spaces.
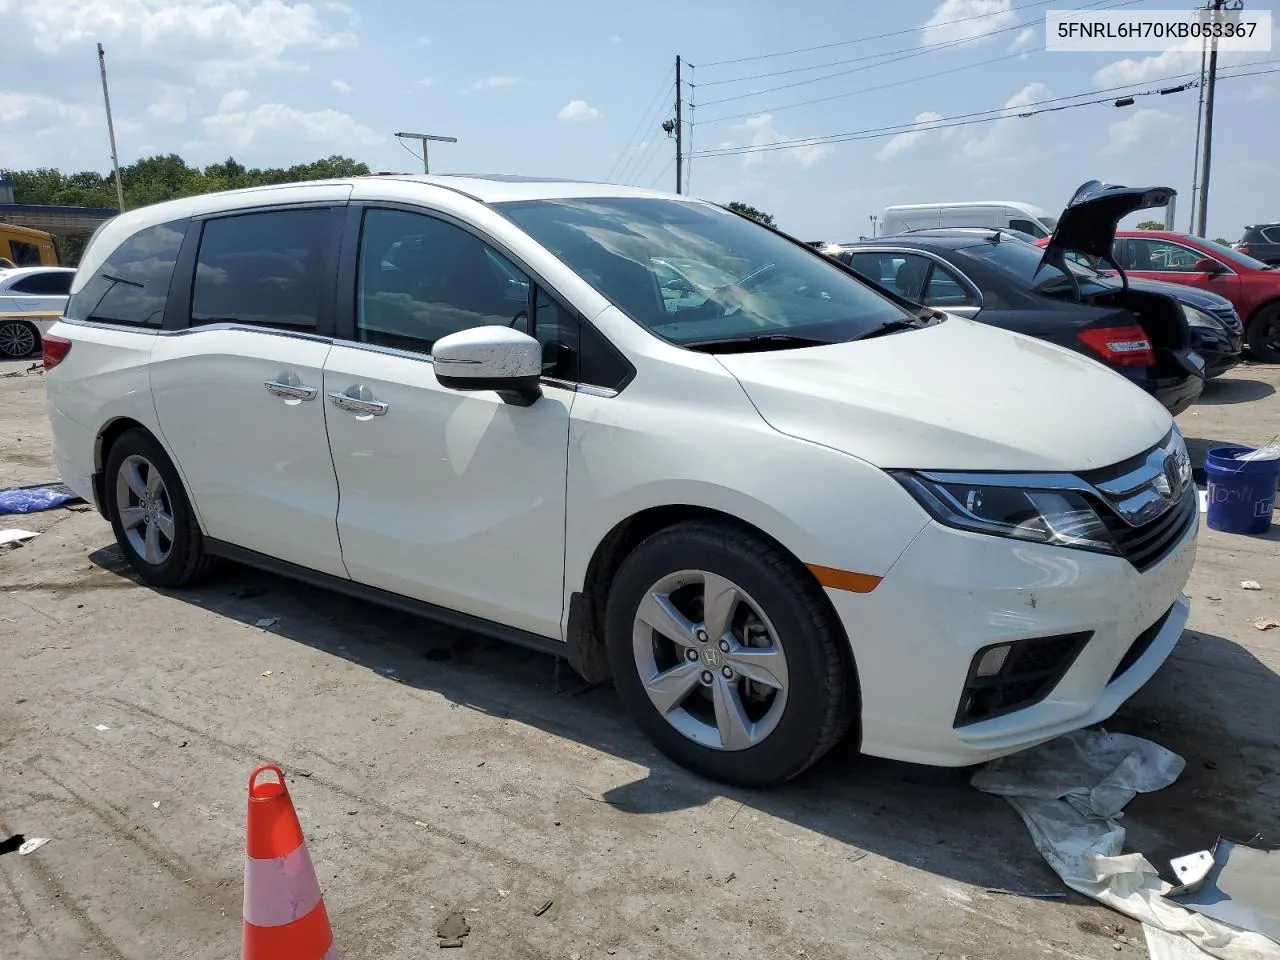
{"x":697,"y":275}
{"x":1232,"y":256}
{"x":1022,"y":261}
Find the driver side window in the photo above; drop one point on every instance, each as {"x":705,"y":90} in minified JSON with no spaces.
{"x":420,"y":279}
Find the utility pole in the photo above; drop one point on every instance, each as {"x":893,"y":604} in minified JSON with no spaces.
{"x":424,"y":137}
{"x":679,"y":135}
{"x":1206,"y":147}
{"x":111,"y":130}
{"x":1195,"y":171}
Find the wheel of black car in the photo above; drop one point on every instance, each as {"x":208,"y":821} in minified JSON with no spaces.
{"x":17,"y":339}
{"x":150,"y":513}
{"x":725,"y":652}
{"x":1264,"y":334}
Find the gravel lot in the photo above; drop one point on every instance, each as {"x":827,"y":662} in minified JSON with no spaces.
{"x":435,"y":770}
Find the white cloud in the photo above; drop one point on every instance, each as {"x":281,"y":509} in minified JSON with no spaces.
{"x":902,"y":142}
{"x":763,"y":133}
{"x":340,"y":85}
{"x":172,"y":105}
{"x":615,"y":39}
{"x":1142,"y":128}
{"x":214,"y":39}
{"x":329,"y":129}
{"x":578,"y":111}
{"x":977,"y":18}
{"x":424,"y":41}
{"x":17,"y":106}
{"x":428,"y":82}
{"x":1001,"y":140}
{"x":1183,"y":59}
{"x":1025,"y":40}
{"x":1260,"y":93}
{"x":232,"y":100}
{"x":495,"y":83}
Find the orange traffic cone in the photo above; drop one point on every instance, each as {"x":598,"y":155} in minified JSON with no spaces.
{"x":284,"y":915}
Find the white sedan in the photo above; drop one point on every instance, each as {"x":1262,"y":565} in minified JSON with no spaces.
{"x":788,"y":507}
{"x":31,"y":299}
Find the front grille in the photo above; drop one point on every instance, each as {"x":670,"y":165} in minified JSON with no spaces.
{"x":1139,"y":647}
{"x":1145,"y":546}
{"x":1228,"y":316}
{"x":1029,"y":673}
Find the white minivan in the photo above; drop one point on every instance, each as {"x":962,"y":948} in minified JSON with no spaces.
{"x":774,"y":503}
{"x":996,"y":214}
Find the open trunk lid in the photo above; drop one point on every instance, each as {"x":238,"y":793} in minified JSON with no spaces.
{"x":1088,"y":224}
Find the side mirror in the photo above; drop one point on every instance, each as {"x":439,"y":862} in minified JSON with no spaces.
{"x":1208,"y":265}
{"x":490,"y":358}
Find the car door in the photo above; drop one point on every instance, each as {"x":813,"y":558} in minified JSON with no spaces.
{"x":1158,"y":259}
{"x":452,"y":498}
{"x":237,"y":377}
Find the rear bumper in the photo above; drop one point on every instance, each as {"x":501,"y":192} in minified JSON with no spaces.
{"x":1175,"y":393}
{"x":952,"y":594}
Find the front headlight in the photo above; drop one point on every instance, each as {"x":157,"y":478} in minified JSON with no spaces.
{"x":1198,"y":318}
{"x":1063,"y":518}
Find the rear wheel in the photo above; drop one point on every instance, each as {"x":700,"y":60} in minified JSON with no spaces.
{"x":1264,"y":334}
{"x":150,"y":514}
{"x":725,"y":652}
{"x":17,"y":339}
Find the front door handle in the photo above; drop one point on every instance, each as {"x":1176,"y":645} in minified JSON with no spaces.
{"x":359,"y":399}
{"x":289,"y":386}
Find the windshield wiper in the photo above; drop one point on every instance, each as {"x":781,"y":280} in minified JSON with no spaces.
{"x":892,"y":326}
{"x":759,"y":341}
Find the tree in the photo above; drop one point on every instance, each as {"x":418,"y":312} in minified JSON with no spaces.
{"x":746,"y":210}
{"x":1151,"y":225}
{"x":1222,"y":240}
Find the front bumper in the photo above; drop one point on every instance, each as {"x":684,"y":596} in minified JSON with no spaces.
{"x":952,"y":593}
{"x":1221,"y":351}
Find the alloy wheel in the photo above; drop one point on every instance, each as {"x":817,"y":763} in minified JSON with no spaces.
{"x":17,"y":339}
{"x":145,"y":510}
{"x":710,"y":660}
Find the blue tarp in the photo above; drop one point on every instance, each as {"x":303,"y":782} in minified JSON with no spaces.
{"x":34,"y":499}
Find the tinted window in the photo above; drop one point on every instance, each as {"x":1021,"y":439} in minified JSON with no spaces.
{"x":44,"y":284}
{"x":262,"y":269}
{"x":945,"y":290}
{"x":902,"y":272}
{"x":132,"y":285}
{"x":1021,"y":261}
{"x":1271,"y":234}
{"x":421,"y":279}
{"x":1029,"y":227}
{"x":1160,"y":255}
{"x":24,"y":254}
{"x":746,"y":281}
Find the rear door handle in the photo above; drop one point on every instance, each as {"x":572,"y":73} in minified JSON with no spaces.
{"x":291,"y":388}
{"x":359,"y":399}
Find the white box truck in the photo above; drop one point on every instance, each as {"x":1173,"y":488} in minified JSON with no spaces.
{"x":997,"y":214}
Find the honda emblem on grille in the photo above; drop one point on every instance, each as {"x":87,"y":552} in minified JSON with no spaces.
{"x":1168,"y":482}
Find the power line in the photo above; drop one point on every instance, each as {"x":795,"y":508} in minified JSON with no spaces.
{"x":661,"y":173}
{"x":642,"y":170}
{"x":878,"y":36}
{"x":978,"y":116}
{"x":657,"y":99}
{"x":881,"y":86}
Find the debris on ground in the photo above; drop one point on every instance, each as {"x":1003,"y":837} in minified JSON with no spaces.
{"x":1250,"y":585}
{"x":1024,"y":893}
{"x":453,"y":929}
{"x":1070,"y":793}
{"x":267,"y":673}
{"x":156,"y":804}
{"x":12,"y":536}
{"x":267,"y":622}
{"x":34,"y":499}
{"x":546,"y":905}
{"x":102,"y":726}
{"x":1266,"y":623}
{"x":32,"y":845}
{"x":1241,"y":888}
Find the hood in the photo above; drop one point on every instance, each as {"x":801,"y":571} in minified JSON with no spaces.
{"x":1203,"y":299}
{"x":959,"y":395}
{"x":1088,"y":224}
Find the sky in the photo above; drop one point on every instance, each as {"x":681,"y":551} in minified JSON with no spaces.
{"x":580,"y":88}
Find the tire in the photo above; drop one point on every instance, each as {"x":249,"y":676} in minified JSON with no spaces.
{"x":18,"y":339}
{"x":155,"y":505}
{"x":776,"y":595}
{"x":1263,"y":334}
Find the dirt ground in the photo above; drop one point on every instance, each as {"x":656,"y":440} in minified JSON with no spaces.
{"x":436,"y":771}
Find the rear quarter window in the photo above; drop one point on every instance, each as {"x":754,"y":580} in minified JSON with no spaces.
{"x":132,"y":286}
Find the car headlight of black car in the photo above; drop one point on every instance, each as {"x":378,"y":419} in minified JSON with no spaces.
{"x":1006,"y":506}
{"x":1198,"y":318}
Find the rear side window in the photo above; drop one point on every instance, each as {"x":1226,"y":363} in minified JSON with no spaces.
{"x":131,"y":287}
{"x":44,"y":285}
{"x":262,"y":269}
{"x":1028,"y":226}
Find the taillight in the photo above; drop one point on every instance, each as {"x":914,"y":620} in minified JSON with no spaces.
{"x":1123,"y":346}
{"x":55,"y":351}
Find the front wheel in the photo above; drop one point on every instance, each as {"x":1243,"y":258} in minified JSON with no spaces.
{"x":1264,"y":334}
{"x":726,"y":654}
{"x":18,"y":339}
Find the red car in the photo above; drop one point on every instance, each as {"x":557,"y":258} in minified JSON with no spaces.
{"x":1252,"y":286}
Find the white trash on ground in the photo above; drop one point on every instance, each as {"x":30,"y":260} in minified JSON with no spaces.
{"x":32,"y":845}
{"x":14,"y":535}
{"x":1070,"y":793}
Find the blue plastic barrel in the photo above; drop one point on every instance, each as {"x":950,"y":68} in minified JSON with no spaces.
{"x":1242,"y":493}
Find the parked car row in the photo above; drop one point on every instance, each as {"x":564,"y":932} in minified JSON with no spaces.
{"x":773,"y":500}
